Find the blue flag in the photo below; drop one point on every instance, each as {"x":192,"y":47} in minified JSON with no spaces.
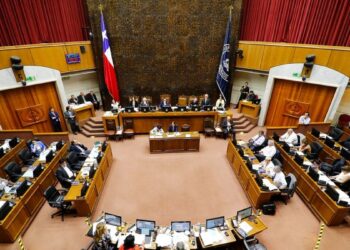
{"x":223,"y":71}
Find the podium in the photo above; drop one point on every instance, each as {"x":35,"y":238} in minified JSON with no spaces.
{"x":249,"y":109}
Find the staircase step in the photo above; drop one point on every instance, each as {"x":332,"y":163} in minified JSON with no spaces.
{"x":245,"y":129}
{"x":89,"y":134}
{"x":97,"y":120}
{"x":240,"y":121}
{"x":93,"y":130}
{"x":243,"y":125}
{"x":93,"y":124}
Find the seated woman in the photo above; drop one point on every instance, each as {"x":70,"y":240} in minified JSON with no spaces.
{"x":304,"y":147}
{"x":129,"y":243}
{"x":220,"y":103}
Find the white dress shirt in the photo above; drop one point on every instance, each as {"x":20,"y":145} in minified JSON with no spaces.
{"x":155,"y":130}
{"x":269,"y":151}
{"x":290,"y":139}
{"x":68,"y":171}
{"x":258,"y":140}
{"x":304,"y":120}
{"x":280,"y":180}
{"x":269,"y":168}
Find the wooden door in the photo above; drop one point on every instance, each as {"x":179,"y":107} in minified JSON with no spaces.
{"x":290,"y":100}
{"x":28,"y":108}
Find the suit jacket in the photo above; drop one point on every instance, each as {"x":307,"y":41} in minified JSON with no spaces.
{"x":81,"y":99}
{"x":135,"y":105}
{"x":193,"y":103}
{"x":72,"y":101}
{"x":54,"y":117}
{"x":63,"y":177}
{"x":91,"y":98}
{"x":162,"y":104}
{"x":173,"y":129}
{"x":206,"y":102}
{"x":73,"y":147}
{"x":68,"y":114}
{"x":144,"y":104}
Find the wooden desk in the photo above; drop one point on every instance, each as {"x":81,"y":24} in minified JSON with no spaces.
{"x":257,"y":227}
{"x":84,"y":112}
{"x":12,"y":155}
{"x":256,"y":196}
{"x":85,"y":205}
{"x":144,"y":122}
{"x":174,"y":142}
{"x":27,"y":206}
{"x":227,"y":239}
{"x":311,"y":193}
{"x":249,"y":109}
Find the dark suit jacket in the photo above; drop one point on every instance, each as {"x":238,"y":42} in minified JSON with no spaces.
{"x":72,"y":101}
{"x":91,"y":97}
{"x":54,"y":117}
{"x":173,"y":129}
{"x":74,"y":148}
{"x":63,"y":178}
{"x":81,"y":99}
{"x":193,"y":103}
{"x":162,"y":104}
{"x":142,"y":104}
{"x":206,"y":102}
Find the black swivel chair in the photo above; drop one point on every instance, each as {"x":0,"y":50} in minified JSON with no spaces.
{"x":55,"y":198}
{"x":13,"y":170}
{"x":335,"y":133}
{"x":289,"y":191}
{"x":26,"y":156}
{"x":74,"y":161}
{"x":332,"y":167}
{"x":346,"y":143}
{"x":316,"y":149}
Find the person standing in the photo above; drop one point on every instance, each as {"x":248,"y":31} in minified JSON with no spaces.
{"x":55,"y":120}
{"x":244,"y":92}
{"x":305,"y":119}
{"x":173,"y":127}
{"x":69,"y":114}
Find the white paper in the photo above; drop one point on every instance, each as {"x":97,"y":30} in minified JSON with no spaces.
{"x":300,"y":153}
{"x":28,"y":173}
{"x":188,"y":135}
{"x":270,"y":185}
{"x":256,"y":166}
{"x":307,"y":163}
{"x":2,"y":203}
{"x":163,"y":240}
{"x":211,"y":236}
{"x":245,"y":227}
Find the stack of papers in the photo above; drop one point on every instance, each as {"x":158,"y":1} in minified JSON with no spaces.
{"x":256,"y":166}
{"x":245,"y":227}
{"x":307,"y":162}
{"x":268,"y":184}
{"x":163,"y":240}
{"x":29,"y":172}
{"x":188,"y":135}
{"x":211,"y":237}
{"x":218,"y":129}
{"x":2,"y":203}
{"x":300,"y":153}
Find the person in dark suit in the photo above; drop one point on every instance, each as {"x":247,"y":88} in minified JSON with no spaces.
{"x":78,"y":147}
{"x":194,"y":102}
{"x":164,"y":103}
{"x":64,"y":174}
{"x":144,"y":102}
{"x":227,"y":127}
{"x":55,"y":120}
{"x":72,"y":100}
{"x":81,"y":98}
{"x":173,"y":127}
{"x":251,"y":96}
{"x":91,"y":97}
{"x":244,"y":91}
{"x":69,"y":114}
{"x":133,"y":103}
{"x":206,"y":100}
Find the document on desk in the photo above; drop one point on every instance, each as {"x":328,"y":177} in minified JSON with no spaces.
{"x":2,"y":203}
{"x":256,"y":166}
{"x":211,"y":236}
{"x":245,"y":227}
{"x":29,"y":172}
{"x":163,"y":240}
{"x":268,"y":184}
{"x":307,"y":163}
{"x":177,"y":237}
{"x":188,"y":135}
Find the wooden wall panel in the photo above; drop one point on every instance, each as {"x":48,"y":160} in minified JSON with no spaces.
{"x":322,"y":55}
{"x":5,"y":55}
{"x":274,"y":56}
{"x":251,"y":56}
{"x":289,"y":100}
{"x":86,"y":59}
{"x":340,"y":61}
{"x":52,"y":57}
{"x":24,"y":97}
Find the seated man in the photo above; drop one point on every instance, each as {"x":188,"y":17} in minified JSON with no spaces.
{"x":194,"y":102}
{"x":344,"y":175}
{"x":73,"y":100}
{"x":268,"y":151}
{"x":157,"y":130}
{"x":289,"y":137}
{"x":257,"y":140}
{"x":133,"y":103}
{"x":251,"y":96}
{"x":64,"y":174}
{"x":220,"y":103}
{"x":164,"y":103}
{"x":305,"y":119}
{"x":304,"y":147}
{"x":37,"y":147}
{"x":267,"y":167}
{"x":91,"y":97}
{"x":279,"y":179}
{"x":206,"y":100}
{"x":81,"y":98}
{"x":173,"y":127}
{"x":227,"y":126}
{"x":144,"y":102}
{"x":346,"y":143}
{"x":4,"y":183}
{"x":78,"y":147}
{"x":115,"y":106}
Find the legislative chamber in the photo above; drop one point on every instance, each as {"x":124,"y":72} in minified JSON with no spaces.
{"x":174,"y":124}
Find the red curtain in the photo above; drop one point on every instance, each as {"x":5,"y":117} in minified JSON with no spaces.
{"x":42,"y":21}
{"x":325,"y":22}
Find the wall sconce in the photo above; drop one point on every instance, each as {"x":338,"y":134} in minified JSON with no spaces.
{"x":17,"y":69}
{"x":307,"y":68}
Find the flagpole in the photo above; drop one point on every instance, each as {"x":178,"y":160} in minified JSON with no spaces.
{"x":231,"y":8}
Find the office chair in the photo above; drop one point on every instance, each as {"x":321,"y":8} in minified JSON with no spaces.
{"x":26,"y":156}
{"x":13,"y":170}
{"x":277,"y":162}
{"x":208,"y":125}
{"x":346,"y":143}
{"x":316,"y":149}
{"x":55,"y":198}
{"x":75,"y":163}
{"x":288,"y":192}
{"x":128,"y":128}
{"x":253,"y":244}
{"x":334,"y":167}
{"x":335,"y":133}
{"x":278,"y":157}
{"x":60,"y":175}
{"x":186,"y":127}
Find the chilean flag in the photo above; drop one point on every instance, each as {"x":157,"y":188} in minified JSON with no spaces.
{"x":108,"y":66}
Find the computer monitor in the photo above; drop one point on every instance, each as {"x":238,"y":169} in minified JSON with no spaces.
{"x":195,"y":108}
{"x":5,"y":209}
{"x":113,"y":220}
{"x":22,"y":188}
{"x":99,"y":157}
{"x":333,"y":194}
{"x":259,"y":180}
{"x":215,"y":222}
{"x":249,"y":165}
{"x":180,"y":226}
{"x":104,"y":146}
{"x":329,"y":142}
{"x":276,"y":137}
{"x":2,"y":153}
{"x":13,"y":142}
{"x":299,"y":159}
{"x":59,"y":145}
{"x":313,"y":174}
{"x":240,"y":151}
{"x":345,"y":153}
{"x":244,"y":213}
{"x":49,"y":156}
{"x":145,"y":226}
{"x":181,"y":108}
{"x":38,"y":170}
{"x":129,"y":109}
{"x":84,"y":189}
{"x":315,"y":132}
{"x":286,"y":147}
{"x":144,"y":108}
{"x":166,"y":109}
{"x":234,"y":141}
{"x":92,"y":172}
{"x":208,"y":107}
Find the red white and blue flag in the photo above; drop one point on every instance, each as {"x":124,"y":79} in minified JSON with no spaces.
{"x":108,"y":66}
